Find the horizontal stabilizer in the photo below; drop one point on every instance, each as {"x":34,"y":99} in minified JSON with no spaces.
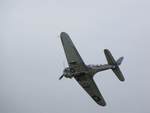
{"x":118,"y":73}
{"x":111,"y":61}
{"x":119,"y":61}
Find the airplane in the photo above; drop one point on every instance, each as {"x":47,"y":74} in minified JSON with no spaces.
{"x":83,"y":73}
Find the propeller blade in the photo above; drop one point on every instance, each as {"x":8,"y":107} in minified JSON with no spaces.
{"x":61,"y":77}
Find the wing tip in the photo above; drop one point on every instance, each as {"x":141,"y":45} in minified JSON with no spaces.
{"x":106,"y":49}
{"x":63,"y":34}
{"x":102,"y":103}
{"x":122,"y":80}
{"x":99,"y":100}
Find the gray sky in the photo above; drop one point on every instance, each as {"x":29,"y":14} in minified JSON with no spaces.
{"x":32,"y":55}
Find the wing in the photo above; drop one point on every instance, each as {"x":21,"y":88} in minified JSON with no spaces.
{"x":74,"y":59}
{"x":90,"y":87}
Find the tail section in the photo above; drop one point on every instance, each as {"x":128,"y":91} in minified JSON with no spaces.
{"x":112,"y":61}
{"x":119,"y":61}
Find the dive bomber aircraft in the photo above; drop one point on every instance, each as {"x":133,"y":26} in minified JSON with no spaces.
{"x":83,"y":73}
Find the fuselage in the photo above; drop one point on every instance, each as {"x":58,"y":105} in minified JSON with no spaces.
{"x":91,"y":70}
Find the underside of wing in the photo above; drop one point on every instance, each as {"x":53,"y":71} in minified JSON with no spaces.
{"x":90,"y":87}
{"x":73,"y":57}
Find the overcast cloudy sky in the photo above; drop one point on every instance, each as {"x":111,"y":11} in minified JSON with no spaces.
{"x":31,"y":54}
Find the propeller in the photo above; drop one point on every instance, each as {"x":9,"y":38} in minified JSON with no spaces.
{"x":61,"y":77}
{"x":63,"y":74}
